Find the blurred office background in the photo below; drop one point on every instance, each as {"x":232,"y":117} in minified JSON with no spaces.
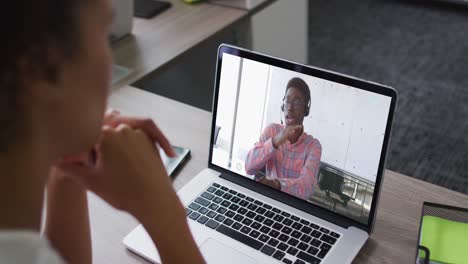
{"x":418,"y":47}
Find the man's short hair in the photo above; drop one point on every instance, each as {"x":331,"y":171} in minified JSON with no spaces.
{"x":300,"y":84}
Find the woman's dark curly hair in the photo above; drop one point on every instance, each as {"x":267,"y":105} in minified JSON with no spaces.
{"x":43,"y":34}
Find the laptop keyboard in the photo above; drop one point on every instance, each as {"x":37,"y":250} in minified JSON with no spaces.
{"x":261,"y":226}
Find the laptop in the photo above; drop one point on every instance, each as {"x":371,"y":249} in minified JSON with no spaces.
{"x":311,"y":198}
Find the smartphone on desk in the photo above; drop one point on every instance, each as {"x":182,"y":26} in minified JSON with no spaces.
{"x":172,"y":164}
{"x":149,"y":8}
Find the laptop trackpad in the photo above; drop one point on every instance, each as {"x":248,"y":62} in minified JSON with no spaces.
{"x":217,"y":252}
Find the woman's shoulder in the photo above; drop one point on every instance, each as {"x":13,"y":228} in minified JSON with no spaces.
{"x":26,"y":247}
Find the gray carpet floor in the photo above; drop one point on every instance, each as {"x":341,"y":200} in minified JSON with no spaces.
{"x":421,"y":49}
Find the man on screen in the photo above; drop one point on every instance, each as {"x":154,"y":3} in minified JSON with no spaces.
{"x":290,"y":156}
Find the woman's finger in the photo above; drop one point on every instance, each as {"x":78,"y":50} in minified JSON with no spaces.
{"x":149,"y":127}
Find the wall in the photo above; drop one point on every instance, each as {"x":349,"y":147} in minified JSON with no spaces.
{"x":244,"y":82}
{"x":227,"y":93}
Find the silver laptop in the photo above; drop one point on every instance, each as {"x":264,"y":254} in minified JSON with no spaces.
{"x":311,"y":198}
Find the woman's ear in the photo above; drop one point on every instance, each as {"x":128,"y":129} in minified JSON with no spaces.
{"x":39,"y":76}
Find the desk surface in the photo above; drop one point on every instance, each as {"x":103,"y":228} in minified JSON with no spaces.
{"x":395,"y":235}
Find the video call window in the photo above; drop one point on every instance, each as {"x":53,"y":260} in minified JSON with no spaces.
{"x":312,"y":138}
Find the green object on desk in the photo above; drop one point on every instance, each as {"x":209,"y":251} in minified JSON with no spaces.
{"x":446,"y":240}
{"x":192,"y":1}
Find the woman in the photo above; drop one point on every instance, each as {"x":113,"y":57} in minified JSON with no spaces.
{"x":54,"y":79}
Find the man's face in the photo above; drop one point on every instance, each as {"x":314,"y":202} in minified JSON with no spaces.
{"x":294,"y":106}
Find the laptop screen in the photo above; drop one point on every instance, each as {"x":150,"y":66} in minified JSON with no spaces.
{"x":313,"y":138}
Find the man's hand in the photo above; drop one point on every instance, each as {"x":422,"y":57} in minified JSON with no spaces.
{"x":284,"y":135}
{"x":274,"y":183}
